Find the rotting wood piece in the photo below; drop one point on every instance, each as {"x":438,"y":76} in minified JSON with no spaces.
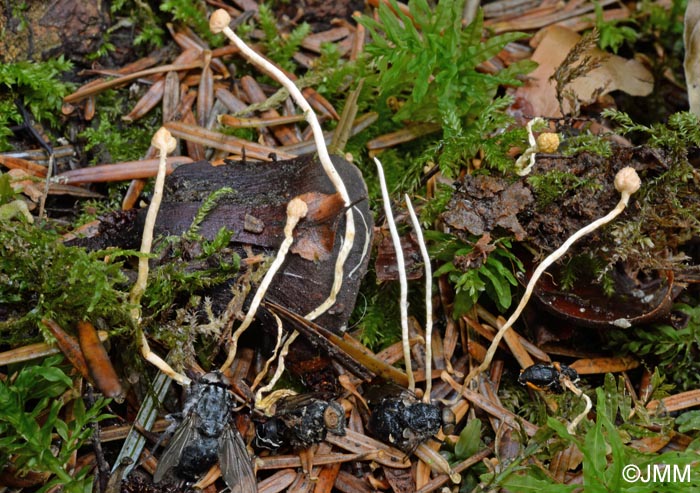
{"x":262,"y":190}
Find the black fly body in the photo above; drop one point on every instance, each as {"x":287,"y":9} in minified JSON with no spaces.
{"x":206,"y":435}
{"x":400,"y":419}
{"x":547,"y":377}
{"x":300,"y":421}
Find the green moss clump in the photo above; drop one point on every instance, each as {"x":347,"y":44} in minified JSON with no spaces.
{"x":111,"y":140}
{"x":551,"y":185}
{"x":38,"y":86}
{"x":40,"y":277}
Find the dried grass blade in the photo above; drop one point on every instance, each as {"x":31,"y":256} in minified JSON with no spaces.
{"x":205,"y":93}
{"x":137,"y":66}
{"x":344,"y":129}
{"x":60,"y":189}
{"x":278,"y":481}
{"x":31,"y":351}
{"x":171,"y":96}
{"x":147,"y":102}
{"x":117,"y":172}
{"x":370,"y":449}
{"x":406,"y":134}
{"x":135,"y":441}
{"x":283,"y":134}
{"x":498,"y":411}
{"x":93,"y":89}
{"x":286,"y":461}
{"x":23,"y":164}
{"x":233,"y":121}
{"x":307,"y":147}
{"x":193,"y":133}
{"x":39,"y":155}
{"x":459,"y":468}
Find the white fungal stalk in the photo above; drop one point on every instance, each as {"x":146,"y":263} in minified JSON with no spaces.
{"x":296,"y":209}
{"x":400,"y":265}
{"x":626,"y":182}
{"x":566,"y":382}
{"x":165,"y":143}
{"x":428,"y":301}
{"x":219,"y":22}
{"x":268,"y":362}
{"x":278,"y":372}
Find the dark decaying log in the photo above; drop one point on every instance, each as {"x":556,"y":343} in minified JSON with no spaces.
{"x":256,"y":213}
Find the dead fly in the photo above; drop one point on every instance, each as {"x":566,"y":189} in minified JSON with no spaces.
{"x":400,"y":419}
{"x":547,"y":377}
{"x":300,"y":421}
{"x":205,"y":435}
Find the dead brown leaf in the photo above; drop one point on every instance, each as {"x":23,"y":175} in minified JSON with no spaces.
{"x":485,"y":203}
{"x":538,"y":94}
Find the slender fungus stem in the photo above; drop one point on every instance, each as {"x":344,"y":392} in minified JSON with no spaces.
{"x":278,"y":372}
{"x":626,"y":182}
{"x":296,"y":209}
{"x":219,"y":22}
{"x":401,"y":267}
{"x":165,"y":143}
{"x":266,"y":366}
{"x":566,"y":382}
{"x":428,"y":301}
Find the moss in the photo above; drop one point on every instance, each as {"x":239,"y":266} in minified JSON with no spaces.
{"x":111,"y":140}
{"x":39,"y":86}
{"x":553,"y":184}
{"x":40,"y":277}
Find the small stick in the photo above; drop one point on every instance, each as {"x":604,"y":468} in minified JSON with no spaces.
{"x":428,"y":301}
{"x":401,"y":267}
{"x":47,"y":183}
{"x":626,"y":182}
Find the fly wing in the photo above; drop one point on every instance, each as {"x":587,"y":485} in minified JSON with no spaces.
{"x":236,"y":466}
{"x":171,"y":456}
{"x":289,"y":404}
